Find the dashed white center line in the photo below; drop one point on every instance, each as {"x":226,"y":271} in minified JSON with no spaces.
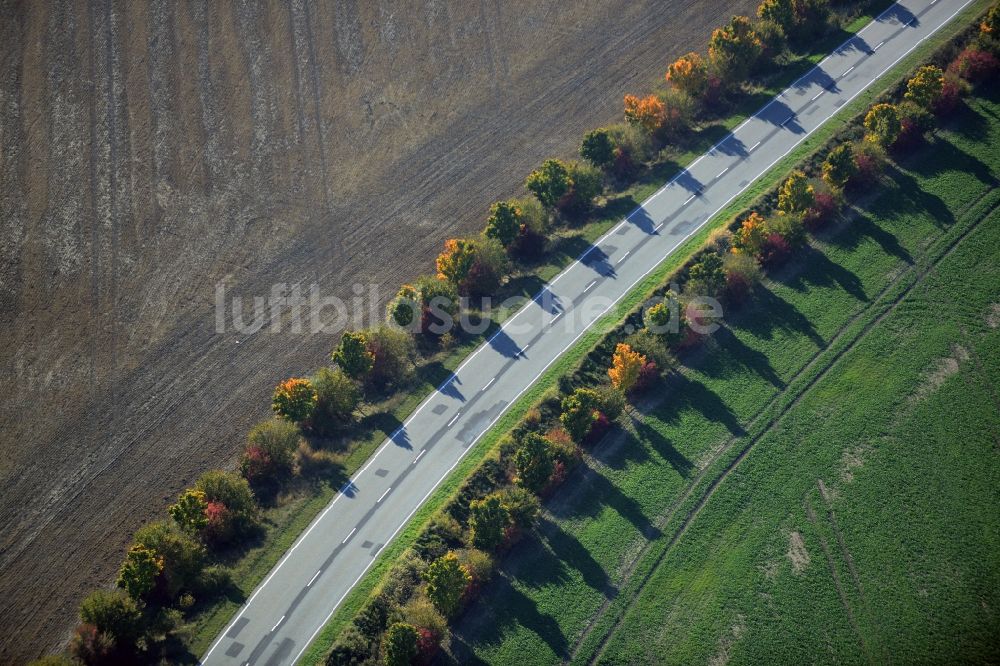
{"x":349,"y":534}
{"x":849,"y":70}
{"x":419,"y":455}
{"x":383,"y":495}
{"x":313,"y":579}
{"x":689,"y":199}
{"x":454,"y":418}
{"x":817,"y":96}
{"x":877,"y":47}
{"x":559,"y":314}
{"x":488,"y":383}
{"x":279,"y":622}
{"x":624,"y":256}
{"x":589,"y":286}
{"x":525,"y":347}
{"x":658,"y":227}
{"x":721,"y":173}
{"x":753,"y":147}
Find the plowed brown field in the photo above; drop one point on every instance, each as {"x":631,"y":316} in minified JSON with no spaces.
{"x":151,"y":150}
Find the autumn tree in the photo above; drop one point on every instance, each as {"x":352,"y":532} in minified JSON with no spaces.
{"x":550,"y":182}
{"x":924,"y":89}
{"x":839,"y":166}
{"x":447,"y":581}
{"x":352,"y":355}
{"x":991,"y":22}
{"x":751,"y":235}
{"x":626,"y":366}
{"x":182,"y":559}
{"x":598,"y":148}
{"x":394,"y":353}
{"x":504,"y":222}
{"x":139,"y":571}
{"x":294,"y":399}
{"x":647,"y":112}
{"x":796,"y":194}
{"x":337,"y":396}
{"x":580,"y":410}
{"x":779,"y":12}
{"x":406,"y":307}
{"x":399,"y":644}
{"x":689,"y":74}
{"x":189,"y":511}
{"x":455,"y":262}
{"x":733,"y":49}
{"x":232,"y":509}
{"x":533,"y":462}
{"x":883,"y":125}
{"x":488,"y":518}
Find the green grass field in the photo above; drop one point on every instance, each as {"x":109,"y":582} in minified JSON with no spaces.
{"x":675,"y":546}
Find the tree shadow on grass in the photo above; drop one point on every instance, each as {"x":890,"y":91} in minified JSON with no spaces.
{"x":663,"y":446}
{"x":815,"y":268}
{"x":601,"y":492}
{"x":859,"y":227}
{"x":490,"y":621}
{"x":773,"y":313}
{"x":946,"y":156}
{"x":714,"y":365}
{"x":690,"y":394}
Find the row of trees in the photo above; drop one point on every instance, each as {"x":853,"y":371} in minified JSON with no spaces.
{"x":538,"y":456}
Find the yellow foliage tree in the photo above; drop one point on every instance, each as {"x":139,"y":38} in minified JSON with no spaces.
{"x":626,"y":365}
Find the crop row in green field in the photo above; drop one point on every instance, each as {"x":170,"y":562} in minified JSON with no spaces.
{"x":559,"y":596}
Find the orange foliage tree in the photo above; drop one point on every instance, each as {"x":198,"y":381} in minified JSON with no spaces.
{"x":689,"y":74}
{"x":750,"y":237}
{"x":626,"y":366}
{"x":456,"y":261}
{"x":648,"y":112}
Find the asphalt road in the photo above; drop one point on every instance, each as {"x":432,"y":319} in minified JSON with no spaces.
{"x":289,"y":608}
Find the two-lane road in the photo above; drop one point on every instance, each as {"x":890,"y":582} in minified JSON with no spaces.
{"x":288,"y":609}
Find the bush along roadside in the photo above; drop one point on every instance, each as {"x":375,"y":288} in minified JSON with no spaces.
{"x":178,"y":568}
{"x":457,"y":552}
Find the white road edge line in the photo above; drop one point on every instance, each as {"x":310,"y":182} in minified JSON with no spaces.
{"x":313,"y":579}
{"x":385,"y":444}
{"x":383,"y":495}
{"x":349,"y":535}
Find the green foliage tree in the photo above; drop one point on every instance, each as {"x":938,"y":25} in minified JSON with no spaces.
{"x":839,"y":166}
{"x":394,"y":353}
{"x":488,"y":518}
{"x":598,"y":148}
{"x":114,"y":613}
{"x":270,"y":450}
{"x":579,"y":411}
{"x":924,"y":89}
{"x":183,"y":559}
{"x":406,"y":307}
{"x":337,"y":396}
{"x":533,"y":464}
{"x":294,"y":399}
{"x":352,"y":355}
{"x":447,"y":581}
{"x":504,"y":222}
{"x":550,"y":182}
{"x":399,"y":645}
{"x":796,"y":195}
{"x":189,"y":511}
{"x":706,"y":275}
{"x":883,"y":125}
{"x":139,"y":571}
{"x":232,"y":508}
{"x":521,"y":504}
{"x":733,"y":49}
